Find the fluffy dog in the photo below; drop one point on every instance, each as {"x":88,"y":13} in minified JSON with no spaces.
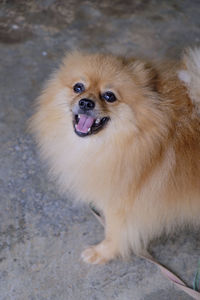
{"x":125,"y":135}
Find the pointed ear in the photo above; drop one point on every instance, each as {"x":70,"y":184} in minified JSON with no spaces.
{"x":143,"y":72}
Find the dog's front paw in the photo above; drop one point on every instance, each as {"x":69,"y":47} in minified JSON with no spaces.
{"x":98,"y":254}
{"x":92,"y":256}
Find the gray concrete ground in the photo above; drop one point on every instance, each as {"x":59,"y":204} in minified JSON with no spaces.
{"x":42,"y":233}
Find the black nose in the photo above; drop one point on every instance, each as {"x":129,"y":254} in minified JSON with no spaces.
{"x":86,"y":104}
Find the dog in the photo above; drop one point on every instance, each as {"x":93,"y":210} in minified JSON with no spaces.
{"x":124,"y":134}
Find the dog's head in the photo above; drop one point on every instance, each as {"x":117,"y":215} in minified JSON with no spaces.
{"x":104,"y":91}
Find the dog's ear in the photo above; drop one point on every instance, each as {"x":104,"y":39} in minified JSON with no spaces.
{"x":143,"y":72}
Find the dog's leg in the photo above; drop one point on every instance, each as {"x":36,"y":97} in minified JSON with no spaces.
{"x":115,"y":242}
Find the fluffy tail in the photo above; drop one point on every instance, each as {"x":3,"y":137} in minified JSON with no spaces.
{"x":190,"y":75}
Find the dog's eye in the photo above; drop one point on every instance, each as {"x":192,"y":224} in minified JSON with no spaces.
{"x":109,"y":96}
{"x":79,"y":88}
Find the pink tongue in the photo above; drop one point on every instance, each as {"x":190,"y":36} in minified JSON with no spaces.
{"x":84,"y":123}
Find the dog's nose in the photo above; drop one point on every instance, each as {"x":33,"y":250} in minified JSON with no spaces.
{"x":86,"y":104}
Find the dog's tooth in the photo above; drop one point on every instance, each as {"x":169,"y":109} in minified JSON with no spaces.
{"x":89,"y":129}
{"x":79,"y":116}
{"x":97,"y":121}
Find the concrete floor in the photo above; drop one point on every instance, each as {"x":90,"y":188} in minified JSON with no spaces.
{"x":41,"y":233}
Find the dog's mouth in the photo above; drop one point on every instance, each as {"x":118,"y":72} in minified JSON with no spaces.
{"x":85,"y":125}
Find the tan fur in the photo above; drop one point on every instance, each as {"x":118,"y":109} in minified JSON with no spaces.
{"x":143,"y":169}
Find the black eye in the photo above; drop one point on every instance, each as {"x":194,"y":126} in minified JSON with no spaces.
{"x":109,"y":97}
{"x":79,"y":88}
